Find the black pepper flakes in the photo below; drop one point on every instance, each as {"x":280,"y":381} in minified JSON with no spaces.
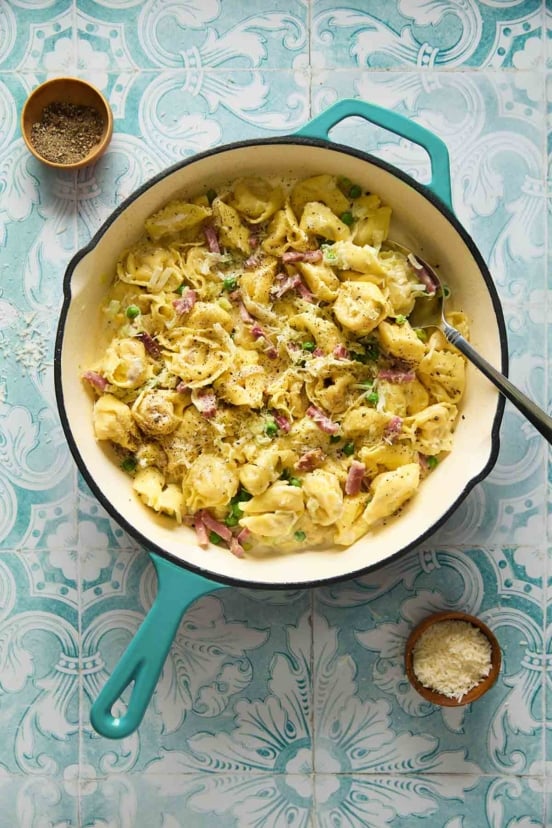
{"x":66,"y":132}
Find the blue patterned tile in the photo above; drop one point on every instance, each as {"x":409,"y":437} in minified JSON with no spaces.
{"x":239,"y":667}
{"x":161,"y":119}
{"x":37,"y":36}
{"x":39,"y":664}
{"x":433,"y":34}
{"x":260,"y":717}
{"x":493,"y":125}
{"x":197,"y":800}
{"x":548,"y":32}
{"x":199,"y":35}
{"x":26,"y":801}
{"x":448,"y":800}
{"x":368,"y":719}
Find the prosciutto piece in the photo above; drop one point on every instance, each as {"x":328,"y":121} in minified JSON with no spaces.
{"x":355,"y":477}
{"x":211,"y":238}
{"x":395,"y":375}
{"x":252,"y":261}
{"x":206,"y":403}
{"x":214,"y":525}
{"x":285,"y":284}
{"x":236,"y":548}
{"x":245,"y":315}
{"x":186,"y":303}
{"x":282,"y":422}
{"x":304,"y":292}
{"x":393,"y":428}
{"x":150,"y":344}
{"x":323,"y":422}
{"x":340,"y":352}
{"x":310,"y":460}
{"x":201,"y":531}
{"x":422,"y":274}
{"x":291,"y":256}
{"x":96,"y":380}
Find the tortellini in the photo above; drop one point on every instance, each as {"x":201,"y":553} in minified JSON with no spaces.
{"x":113,"y":421}
{"x":211,"y":481}
{"x":323,"y":497}
{"x":153,"y":412}
{"x":431,"y":429}
{"x":175,"y":217}
{"x":232,"y":232}
{"x":319,"y":220}
{"x":401,"y":341}
{"x":256,"y":199}
{"x":390,"y":490}
{"x":151,"y":266}
{"x":199,"y":357}
{"x":125,"y":364}
{"x":443,"y":374}
{"x":258,"y":377}
{"x":360,"y":307}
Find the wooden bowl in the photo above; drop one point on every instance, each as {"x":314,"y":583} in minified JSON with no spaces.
{"x":439,"y":698}
{"x":72,"y":91}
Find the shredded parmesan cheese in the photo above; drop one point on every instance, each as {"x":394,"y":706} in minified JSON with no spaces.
{"x":452,"y":657}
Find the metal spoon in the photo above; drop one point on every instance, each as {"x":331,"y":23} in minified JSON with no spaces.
{"x":429,"y":312}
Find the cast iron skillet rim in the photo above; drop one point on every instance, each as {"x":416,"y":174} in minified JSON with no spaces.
{"x":206,"y":573}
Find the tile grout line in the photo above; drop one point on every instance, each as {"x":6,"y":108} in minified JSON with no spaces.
{"x":78,"y":558}
{"x":546,"y":399}
{"x":483,"y":71}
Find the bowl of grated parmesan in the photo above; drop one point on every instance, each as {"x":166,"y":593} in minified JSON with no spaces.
{"x":452,"y":658}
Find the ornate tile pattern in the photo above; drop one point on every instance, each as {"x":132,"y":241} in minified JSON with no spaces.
{"x":273,"y":709}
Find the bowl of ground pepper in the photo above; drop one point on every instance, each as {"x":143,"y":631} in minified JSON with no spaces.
{"x":66,"y":123}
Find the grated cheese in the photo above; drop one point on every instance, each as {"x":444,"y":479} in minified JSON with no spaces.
{"x":452,"y":657}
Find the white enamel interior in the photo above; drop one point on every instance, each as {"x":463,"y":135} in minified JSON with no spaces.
{"x":416,"y":223}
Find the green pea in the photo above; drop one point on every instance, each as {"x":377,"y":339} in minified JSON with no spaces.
{"x":129,"y":464}
{"x":349,"y":449}
{"x":214,"y":537}
{"x":355,"y":191}
{"x":294,"y":481}
{"x":373,"y":398}
{"x":308,"y":346}
{"x":230,"y":283}
{"x":400,"y":319}
{"x":299,"y":535}
{"x":211,"y":195}
{"x":335,"y":438}
{"x":271,"y":429}
{"x":132,"y":311}
{"x":347,"y":218}
{"x":432,"y":462}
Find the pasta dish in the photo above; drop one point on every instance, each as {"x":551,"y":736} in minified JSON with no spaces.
{"x":258,"y":377}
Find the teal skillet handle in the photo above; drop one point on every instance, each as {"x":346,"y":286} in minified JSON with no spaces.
{"x":320,"y":126}
{"x":145,"y":656}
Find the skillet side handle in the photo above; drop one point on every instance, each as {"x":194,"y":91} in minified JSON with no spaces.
{"x":145,"y":656}
{"x":320,"y":126}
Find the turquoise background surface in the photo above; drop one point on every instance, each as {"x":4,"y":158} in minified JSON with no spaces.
{"x":274,"y":709}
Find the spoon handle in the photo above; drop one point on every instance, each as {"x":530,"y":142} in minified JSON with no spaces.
{"x":532,"y":412}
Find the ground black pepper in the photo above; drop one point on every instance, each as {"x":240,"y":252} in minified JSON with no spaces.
{"x":66,"y":132}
